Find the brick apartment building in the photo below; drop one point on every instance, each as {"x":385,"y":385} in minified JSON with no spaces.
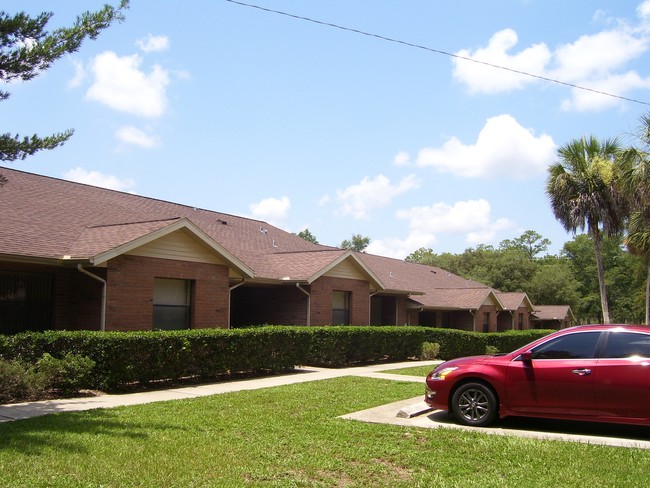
{"x":74,"y":256}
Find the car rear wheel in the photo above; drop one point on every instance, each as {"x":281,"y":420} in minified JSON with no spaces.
{"x":474,"y":404}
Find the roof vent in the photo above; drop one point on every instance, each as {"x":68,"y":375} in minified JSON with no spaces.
{"x":222,"y":222}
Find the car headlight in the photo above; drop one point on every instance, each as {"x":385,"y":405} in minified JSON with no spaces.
{"x":441,"y":374}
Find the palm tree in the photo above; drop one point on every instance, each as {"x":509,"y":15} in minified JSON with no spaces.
{"x":583,"y":192}
{"x":635,"y":182}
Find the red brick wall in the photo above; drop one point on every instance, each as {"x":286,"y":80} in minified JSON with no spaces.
{"x":321,"y":300}
{"x":480,"y":313}
{"x":129,"y":301}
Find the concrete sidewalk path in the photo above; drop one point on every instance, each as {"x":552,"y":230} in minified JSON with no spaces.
{"x":412,"y":412}
{"x":17,"y":411}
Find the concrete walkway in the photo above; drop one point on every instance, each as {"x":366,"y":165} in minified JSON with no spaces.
{"x":17,"y":411}
{"x":412,"y":412}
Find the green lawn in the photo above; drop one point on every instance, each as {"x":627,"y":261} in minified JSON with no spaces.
{"x":414,"y":371}
{"x":291,"y":437}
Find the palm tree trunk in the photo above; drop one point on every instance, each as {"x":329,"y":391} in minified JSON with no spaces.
{"x":601,"y":276}
{"x":647,"y":298}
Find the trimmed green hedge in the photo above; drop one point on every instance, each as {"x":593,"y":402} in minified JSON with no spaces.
{"x":123,"y":358}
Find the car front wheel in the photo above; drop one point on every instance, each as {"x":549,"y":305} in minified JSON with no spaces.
{"x":474,"y":404}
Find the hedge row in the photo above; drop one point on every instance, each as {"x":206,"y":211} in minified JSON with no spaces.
{"x":123,"y":358}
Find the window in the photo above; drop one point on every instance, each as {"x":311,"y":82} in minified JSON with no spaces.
{"x":520,"y":323}
{"x":340,"y":308}
{"x":627,"y":344}
{"x":572,"y":346}
{"x":486,"y":322}
{"x":25,"y":301}
{"x":171,"y":304}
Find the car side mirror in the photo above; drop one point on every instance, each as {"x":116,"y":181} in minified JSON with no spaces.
{"x":527,"y":357}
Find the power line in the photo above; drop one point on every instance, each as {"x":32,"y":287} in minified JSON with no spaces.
{"x":436,"y":51}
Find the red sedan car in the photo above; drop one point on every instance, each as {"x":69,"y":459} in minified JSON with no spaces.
{"x":599,"y":373}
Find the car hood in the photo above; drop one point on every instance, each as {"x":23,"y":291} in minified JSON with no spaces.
{"x":465,"y":360}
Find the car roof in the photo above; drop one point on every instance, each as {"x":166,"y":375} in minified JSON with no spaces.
{"x":627,"y":327}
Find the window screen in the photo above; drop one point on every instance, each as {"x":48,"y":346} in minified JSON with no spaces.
{"x":171,"y":304}
{"x":25,"y":301}
{"x":340,"y":308}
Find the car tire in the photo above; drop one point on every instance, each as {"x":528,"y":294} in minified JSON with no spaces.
{"x":474,"y":404}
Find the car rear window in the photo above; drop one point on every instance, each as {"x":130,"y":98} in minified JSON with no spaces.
{"x":627,"y":344}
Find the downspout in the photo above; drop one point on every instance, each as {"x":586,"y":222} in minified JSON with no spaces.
{"x":308,"y":302}
{"x":102,"y":319}
{"x":230,"y":298}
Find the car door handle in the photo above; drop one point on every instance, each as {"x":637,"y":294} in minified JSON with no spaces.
{"x":582,"y":372}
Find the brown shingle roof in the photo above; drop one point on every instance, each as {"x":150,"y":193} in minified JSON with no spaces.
{"x":553,"y":312}
{"x":49,"y":218}
{"x":514,"y":300}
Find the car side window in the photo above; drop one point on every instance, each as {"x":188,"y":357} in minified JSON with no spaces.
{"x":627,"y":344}
{"x":581,"y":345}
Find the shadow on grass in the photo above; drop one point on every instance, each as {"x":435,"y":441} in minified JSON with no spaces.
{"x":70,"y":432}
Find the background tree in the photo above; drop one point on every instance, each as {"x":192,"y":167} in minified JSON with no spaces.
{"x":554,"y":283}
{"x":635,"y":182}
{"x":529,"y":242}
{"x":308,"y":236}
{"x":583,"y":192}
{"x":357,"y":243}
{"x":624,"y":274}
{"x":27,"y":49}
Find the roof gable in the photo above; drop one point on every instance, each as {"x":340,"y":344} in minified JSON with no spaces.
{"x":515,"y":300}
{"x":107,"y":242}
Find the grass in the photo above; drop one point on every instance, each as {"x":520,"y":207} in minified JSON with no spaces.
{"x":290,"y":436}
{"x":414,"y":371}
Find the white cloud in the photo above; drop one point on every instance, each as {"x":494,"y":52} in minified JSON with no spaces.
{"x":598,"y":61}
{"x":402,"y":158}
{"x":122,"y":85}
{"x":400,"y":248}
{"x":80,"y":74}
{"x":471,"y":219}
{"x":643,"y":11}
{"x":357,"y":200}
{"x":485,"y":79}
{"x":95,"y":178}
{"x":271,"y":210}
{"x":137,"y":137}
{"x":583,"y":100}
{"x":503,"y":148}
{"x":593,"y":57}
{"x":463,"y":217}
{"x":153,"y":43}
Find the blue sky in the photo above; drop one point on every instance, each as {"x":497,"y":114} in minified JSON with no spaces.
{"x":238,"y":110}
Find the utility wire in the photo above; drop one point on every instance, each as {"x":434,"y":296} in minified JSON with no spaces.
{"x":437,"y":51}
